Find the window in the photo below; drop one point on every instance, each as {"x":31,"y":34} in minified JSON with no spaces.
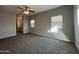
{"x":56,"y":23}
{"x":78,"y":16}
{"x":32,"y":23}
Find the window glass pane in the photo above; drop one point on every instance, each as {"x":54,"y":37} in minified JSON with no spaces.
{"x":32,"y":23}
{"x":56,"y":23}
{"x":78,"y":16}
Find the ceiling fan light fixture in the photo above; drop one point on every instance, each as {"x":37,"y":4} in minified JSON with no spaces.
{"x":26,"y":12}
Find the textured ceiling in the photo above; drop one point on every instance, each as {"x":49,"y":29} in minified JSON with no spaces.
{"x":36,"y":8}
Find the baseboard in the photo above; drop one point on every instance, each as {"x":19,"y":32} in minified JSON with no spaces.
{"x":51,"y":37}
{"x":77,"y":46}
{"x":8,"y":37}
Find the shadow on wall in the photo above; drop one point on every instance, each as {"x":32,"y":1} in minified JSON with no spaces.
{"x":56,"y":28}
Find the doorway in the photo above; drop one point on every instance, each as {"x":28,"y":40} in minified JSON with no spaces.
{"x":19,"y":24}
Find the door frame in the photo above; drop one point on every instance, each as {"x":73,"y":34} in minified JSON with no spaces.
{"x":22,"y":23}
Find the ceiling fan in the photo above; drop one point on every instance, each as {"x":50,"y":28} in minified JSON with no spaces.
{"x":26,"y":9}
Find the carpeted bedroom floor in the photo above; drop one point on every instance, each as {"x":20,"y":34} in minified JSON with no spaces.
{"x":35,"y":44}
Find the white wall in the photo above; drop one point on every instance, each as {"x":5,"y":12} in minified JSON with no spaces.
{"x":25,"y":25}
{"x":76,"y":23}
{"x":43,"y":23}
{"x":7,"y":24}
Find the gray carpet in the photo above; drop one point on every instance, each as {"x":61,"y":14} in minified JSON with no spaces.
{"x":35,"y":44}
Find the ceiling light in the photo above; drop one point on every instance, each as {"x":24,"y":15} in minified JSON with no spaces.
{"x":26,"y":12}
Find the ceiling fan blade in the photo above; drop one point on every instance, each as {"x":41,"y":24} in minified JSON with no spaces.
{"x":31,"y":11}
{"x":27,"y":7}
{"x":20,"y":8}
{"x":21,"y":11}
